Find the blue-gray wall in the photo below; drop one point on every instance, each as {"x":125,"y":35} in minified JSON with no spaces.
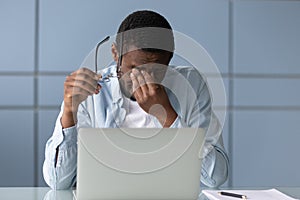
{"x":256,"y":45}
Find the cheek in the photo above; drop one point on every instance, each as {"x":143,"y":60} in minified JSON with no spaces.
{"x":125,"y":77}
{"x":125,"y":80}
{"x":125,"y":71}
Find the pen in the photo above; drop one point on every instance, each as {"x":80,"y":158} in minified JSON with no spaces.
{"x":233,"y":195}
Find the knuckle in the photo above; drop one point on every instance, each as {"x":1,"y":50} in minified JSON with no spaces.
{"x":68,"y":78}
{"x":152,"y":93}
{"x":140,"y":78}
{"x":85,"y":76}
{"x":80,"y":70}
{"x":84,"y":69}
{"x":145,"y":97}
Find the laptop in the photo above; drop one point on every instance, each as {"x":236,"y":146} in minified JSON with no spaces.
{"x":139,"y":163}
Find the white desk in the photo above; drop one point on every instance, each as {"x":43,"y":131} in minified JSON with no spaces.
{"x":44,"y":193}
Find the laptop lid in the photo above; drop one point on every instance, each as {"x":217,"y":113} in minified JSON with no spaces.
{"x":139,"y":163}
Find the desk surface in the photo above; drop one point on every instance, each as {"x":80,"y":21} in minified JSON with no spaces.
{"x":44,"y":193}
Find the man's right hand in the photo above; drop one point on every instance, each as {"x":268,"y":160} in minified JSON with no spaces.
{"x":77,"y":87}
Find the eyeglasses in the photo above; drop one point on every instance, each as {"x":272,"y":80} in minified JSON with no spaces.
{"x":111,"y":75}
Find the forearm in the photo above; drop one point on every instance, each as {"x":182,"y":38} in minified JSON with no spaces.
{"x":69,"y":116}
{"x":166,"y":119}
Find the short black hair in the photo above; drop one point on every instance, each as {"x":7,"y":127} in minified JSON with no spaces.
{"x":152,"y":32}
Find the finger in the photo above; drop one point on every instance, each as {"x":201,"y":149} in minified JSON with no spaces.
{"x":82,"y":85}
{"x":86,"y":76}
{"x":83,"y":79}
{"x":141,"y":81}
{"x":86,"y":85}
{"x":139,"y":77}
{"x":136,"y":90}
{"x":89,"y":73}
{"x":99,"y":76}
{"x":152,"y":86}
{"x":72,"y":92}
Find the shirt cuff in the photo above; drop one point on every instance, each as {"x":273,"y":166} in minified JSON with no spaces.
{"x":70,"y":137}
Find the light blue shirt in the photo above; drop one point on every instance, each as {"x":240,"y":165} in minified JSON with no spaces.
{"x":190,"y":98}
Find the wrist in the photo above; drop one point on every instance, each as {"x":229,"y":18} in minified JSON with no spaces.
{"x":171,"y":117}
{"x":68,"y":119}
{"x":165,"y":115}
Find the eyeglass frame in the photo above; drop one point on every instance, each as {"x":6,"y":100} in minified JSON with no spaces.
{"x":119,"y":72}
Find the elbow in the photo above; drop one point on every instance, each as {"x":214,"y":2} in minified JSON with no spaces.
{"x":49,"y":175}
{"x":214,"y":181}
{"x":54,"y":181}
{"x":214,"y":174}
{"x":57,"y":185}
{"x":218,"y":181}
{"x":51,"y":183}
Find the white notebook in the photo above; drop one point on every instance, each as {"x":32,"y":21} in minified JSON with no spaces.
{"x":271,"y":194}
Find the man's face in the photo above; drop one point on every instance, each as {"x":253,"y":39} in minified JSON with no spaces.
{"x":154,"y":64}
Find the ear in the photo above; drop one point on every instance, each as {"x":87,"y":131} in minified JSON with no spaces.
{"x":114,"y":52}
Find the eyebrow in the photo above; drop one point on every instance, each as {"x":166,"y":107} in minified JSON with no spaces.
{"x":144,"y":61}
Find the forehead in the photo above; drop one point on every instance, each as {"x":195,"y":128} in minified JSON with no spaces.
{"x":142,"y":57}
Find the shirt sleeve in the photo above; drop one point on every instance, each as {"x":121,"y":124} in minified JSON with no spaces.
{"x":215,"y":162}
{"x":60,"y":165}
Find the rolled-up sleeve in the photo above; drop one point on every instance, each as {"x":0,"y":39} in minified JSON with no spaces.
{"x":214,"y":170}
{"x":59,"y":168}
{"x":196,"y":111}
{"x":215,"y":162}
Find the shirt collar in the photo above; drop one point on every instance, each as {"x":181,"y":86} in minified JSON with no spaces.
{"x":116,"y":90}
{"x":114,"y":83}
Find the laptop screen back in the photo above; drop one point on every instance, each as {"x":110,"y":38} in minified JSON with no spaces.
{"x":139,"y":163}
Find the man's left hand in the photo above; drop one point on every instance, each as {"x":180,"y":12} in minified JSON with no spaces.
{"x":152,"y":97}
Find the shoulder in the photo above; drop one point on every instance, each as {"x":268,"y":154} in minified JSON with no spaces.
{"x":187,"y":70}
{"x":191,"y":74}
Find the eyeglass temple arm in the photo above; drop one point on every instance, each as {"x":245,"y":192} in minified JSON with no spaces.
{"x":96,"y":52}
{"x":120,"y":55}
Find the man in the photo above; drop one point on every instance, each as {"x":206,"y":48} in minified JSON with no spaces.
{"x":145,"y":94}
